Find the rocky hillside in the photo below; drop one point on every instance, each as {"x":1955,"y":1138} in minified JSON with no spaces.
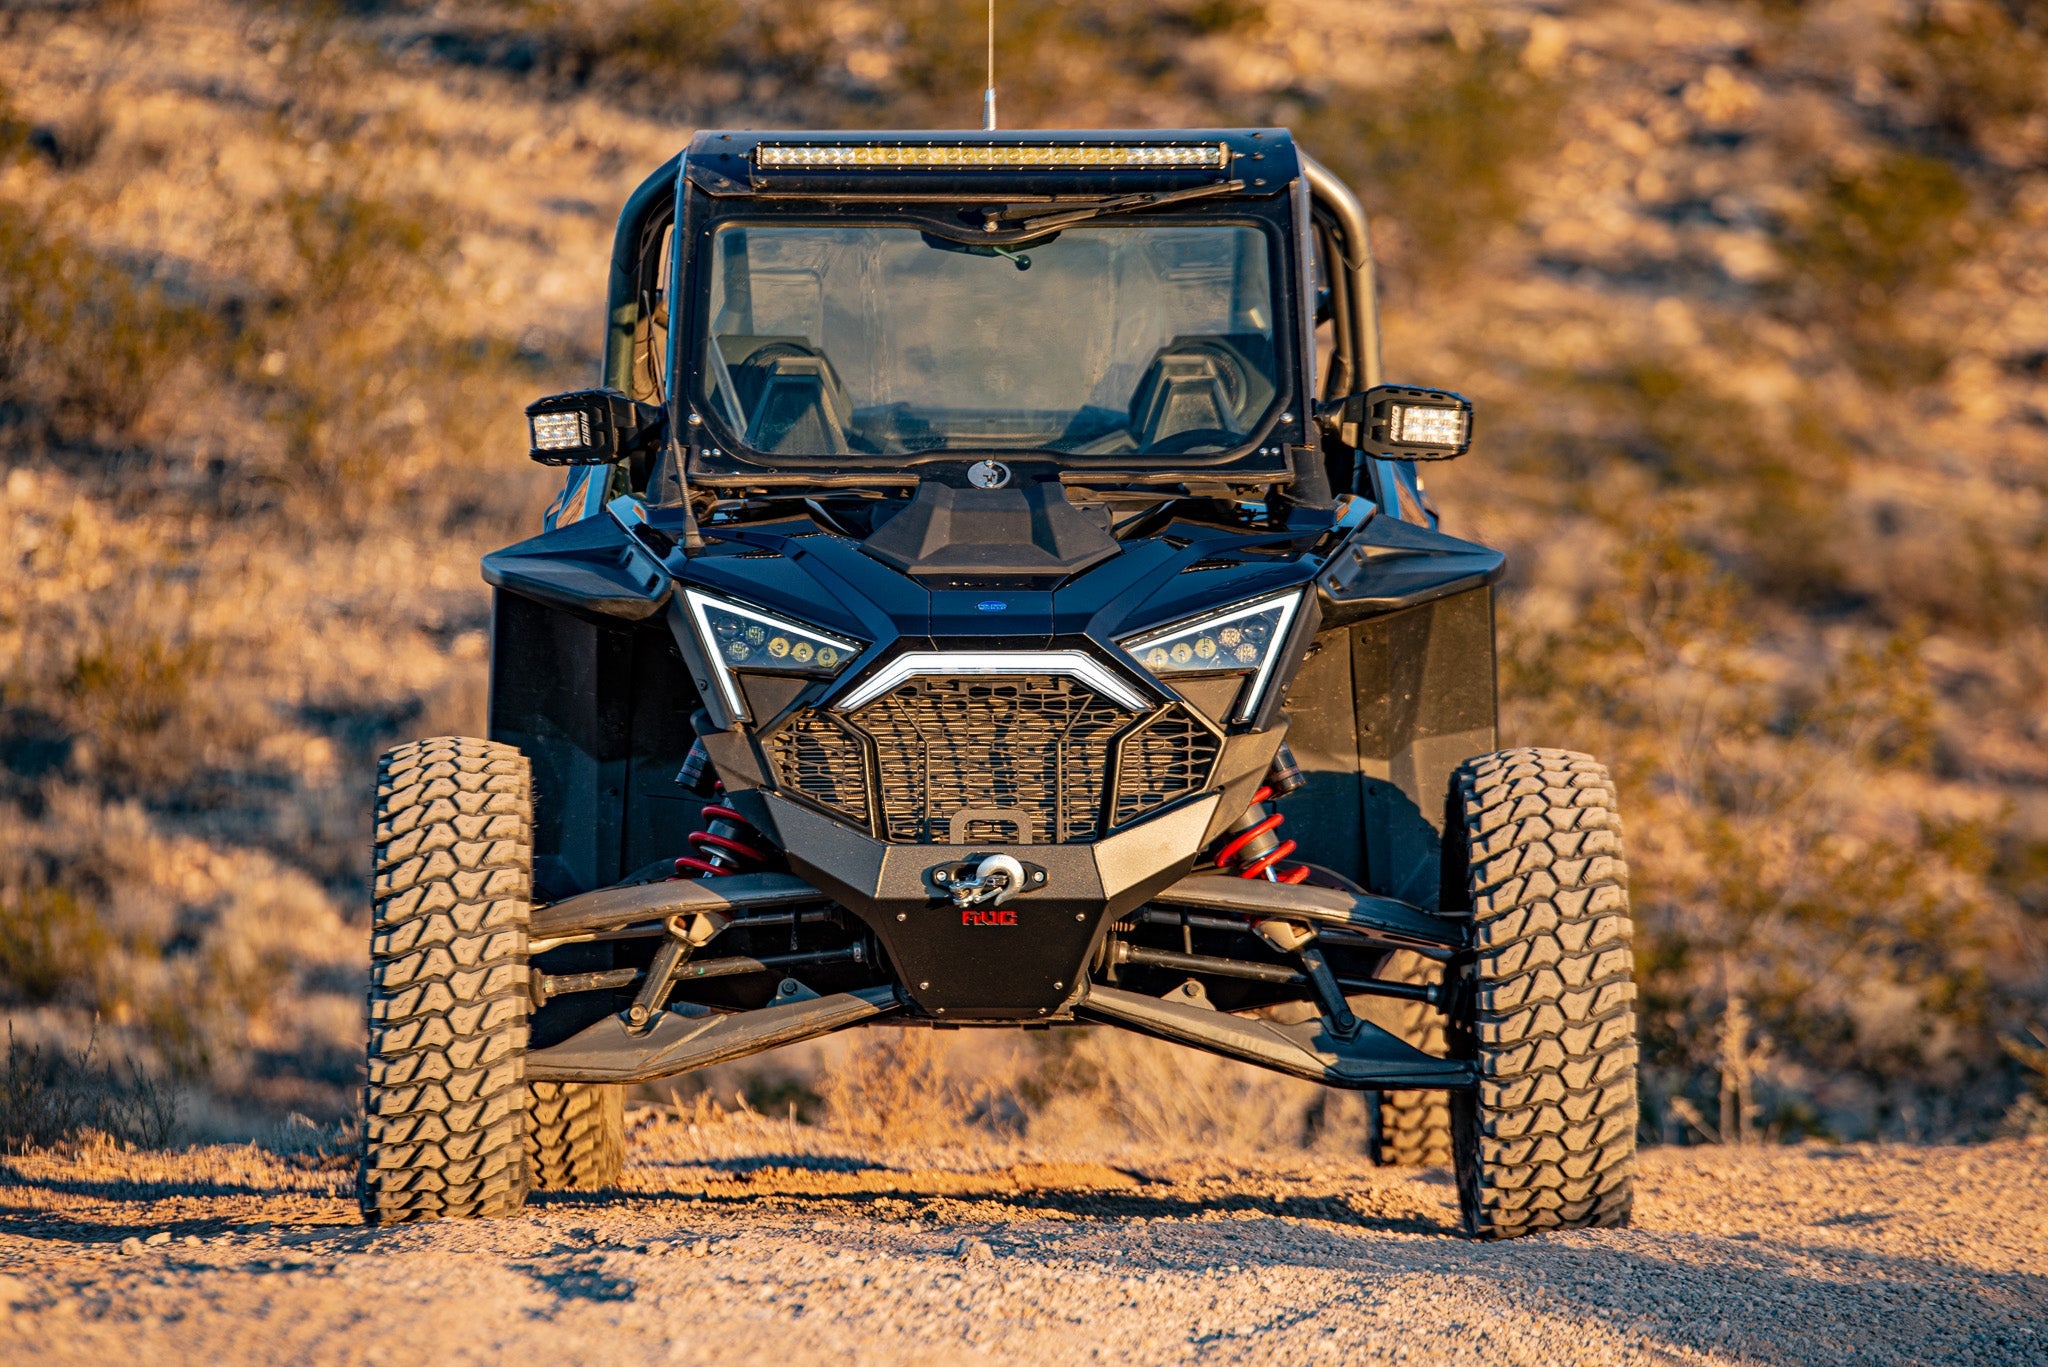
{"x":1753,"y":299}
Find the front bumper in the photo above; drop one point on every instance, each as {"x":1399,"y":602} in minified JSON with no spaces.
{"x":956,"y":965}
{"x":687,"y":1037}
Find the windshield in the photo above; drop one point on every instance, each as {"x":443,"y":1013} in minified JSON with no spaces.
{"x":1102,"y":340}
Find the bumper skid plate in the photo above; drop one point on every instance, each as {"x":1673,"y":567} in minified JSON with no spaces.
{"x":1370,"y":1058}
{"x":677,"y":1042}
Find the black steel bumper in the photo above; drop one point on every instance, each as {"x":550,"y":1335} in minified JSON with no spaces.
{"x":1034,"y":969}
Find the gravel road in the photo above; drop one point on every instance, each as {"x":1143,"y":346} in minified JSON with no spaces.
{"x":755,"y":1241}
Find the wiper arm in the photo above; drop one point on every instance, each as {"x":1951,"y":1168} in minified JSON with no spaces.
{"x":1123,"y":204}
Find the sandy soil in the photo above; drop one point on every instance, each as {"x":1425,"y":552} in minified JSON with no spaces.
{"x":754,"y":1241}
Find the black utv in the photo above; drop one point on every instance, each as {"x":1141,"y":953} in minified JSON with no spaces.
{"x":981,"y":545}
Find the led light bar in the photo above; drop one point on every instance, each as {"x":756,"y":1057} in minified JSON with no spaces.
{"x":784,"y":156}
{"x":1401,"y":422}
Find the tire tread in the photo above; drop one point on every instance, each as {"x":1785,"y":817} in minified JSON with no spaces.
{"x":445,"y":1101}
{"x":1547,"y":1140}
{"x":576,"y":1135}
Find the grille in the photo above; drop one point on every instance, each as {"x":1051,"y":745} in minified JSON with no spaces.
{"x":823,"y":760}
{"x":1024,"y":759}
{"x":1167,"y":759}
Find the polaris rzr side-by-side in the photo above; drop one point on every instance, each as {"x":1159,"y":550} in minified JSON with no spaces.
{"x":982,"y":544}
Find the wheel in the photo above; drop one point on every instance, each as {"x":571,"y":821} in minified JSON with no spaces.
{"x":444,"y":1110}
{"x":575,"y":1135}
{"x":1546,"y":1004}
{"x":1405,"y":1129}
{"x":1409,"y":1129}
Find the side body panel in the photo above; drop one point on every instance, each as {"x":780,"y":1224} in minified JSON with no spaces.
{"x":1423,"y":690}
{"x":1324,"y":815}
{"x":1380,"y":715}
{"x":602,"y":712}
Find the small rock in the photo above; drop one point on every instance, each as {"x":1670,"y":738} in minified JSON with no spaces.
{"x":162,"y":1236}
{"x":192,"y":1241}
{"x":973,"y":1251}
{"x":700,"y":1249}
{"x":131,"y":1244}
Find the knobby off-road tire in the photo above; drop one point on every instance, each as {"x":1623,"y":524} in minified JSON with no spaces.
{"x":444,"y":1111}
{"x":575,"y":1135}
{"x":1409,"y":1129}
{"x":1548,"y":1139}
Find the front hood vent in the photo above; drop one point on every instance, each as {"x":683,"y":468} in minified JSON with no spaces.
{"x":1031,"y":531}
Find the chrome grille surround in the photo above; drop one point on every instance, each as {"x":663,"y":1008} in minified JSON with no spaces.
{"x":985,"y":758}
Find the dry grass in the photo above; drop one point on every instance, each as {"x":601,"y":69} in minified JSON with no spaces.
{"x":50,"y":1096}
{"x":1444,"y":156}
{"x":1123,"y":1091}
{"x":84,"y":347}
{"x":909,"y":1088}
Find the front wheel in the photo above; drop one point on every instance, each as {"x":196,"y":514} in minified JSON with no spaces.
{"x":444,"y":1107}
{"x":1546,"y":1003}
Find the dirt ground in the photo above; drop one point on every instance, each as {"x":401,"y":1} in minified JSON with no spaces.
{"x":757,"y":1241}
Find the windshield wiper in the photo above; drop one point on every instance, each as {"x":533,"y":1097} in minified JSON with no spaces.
{"x":1123,"y":204}
{"x":949,"y":244}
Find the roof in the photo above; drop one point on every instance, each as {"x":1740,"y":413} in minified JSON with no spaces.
{"x":1049,"y":162}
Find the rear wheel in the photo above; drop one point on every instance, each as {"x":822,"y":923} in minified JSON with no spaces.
{"x":1410,"y":1129}
{"x":575,"y":1135}
{"x":1546,"y":1007}
{"x":444,"y":1109}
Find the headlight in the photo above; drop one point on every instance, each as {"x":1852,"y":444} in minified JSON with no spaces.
{"x":1246,"y":639}
{"x":740,"y":637}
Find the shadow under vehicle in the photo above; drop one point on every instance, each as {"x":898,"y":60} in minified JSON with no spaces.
{"x":981,"y":545}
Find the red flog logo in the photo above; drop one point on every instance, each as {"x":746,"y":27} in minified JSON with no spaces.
{"x":993,"y":916}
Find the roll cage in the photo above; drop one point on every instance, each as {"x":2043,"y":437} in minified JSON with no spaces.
{"x":643,"y":349}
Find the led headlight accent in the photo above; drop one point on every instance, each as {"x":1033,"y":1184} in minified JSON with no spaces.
{"x":989,"y":155}
{"x":1071,"y":663}
{"x":745,"y":638}
{"x":1246,"y":639}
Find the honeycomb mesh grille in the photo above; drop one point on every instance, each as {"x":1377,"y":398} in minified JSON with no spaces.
{"x":1169,"y":758}
{"x":816,"y":756}
{"x":995,"y":759}
{"x":976,"y":758}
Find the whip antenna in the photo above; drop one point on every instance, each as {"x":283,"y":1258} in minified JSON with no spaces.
{"x":988,"y":96}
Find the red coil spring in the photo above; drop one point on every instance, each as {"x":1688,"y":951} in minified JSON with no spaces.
{"x":720,"y":843}
{"x":1256,"y":868}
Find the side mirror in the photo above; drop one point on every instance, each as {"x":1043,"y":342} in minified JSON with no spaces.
{"x":1401,"y":422}
{"x":592,"y":427}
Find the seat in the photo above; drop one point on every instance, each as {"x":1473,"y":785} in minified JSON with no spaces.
{"x":1201,"y":390}
{"x":794,"y":401}
{"x":736,"y":349}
